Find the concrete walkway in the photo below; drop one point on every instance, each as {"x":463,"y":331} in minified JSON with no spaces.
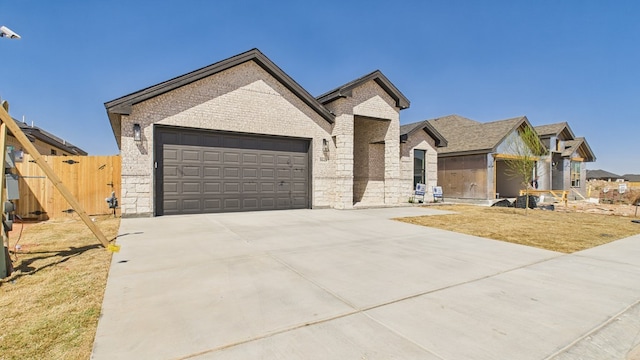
{"x":353,"y":284}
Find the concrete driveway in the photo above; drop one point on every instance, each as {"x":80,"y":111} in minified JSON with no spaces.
{"x":354,"y":284}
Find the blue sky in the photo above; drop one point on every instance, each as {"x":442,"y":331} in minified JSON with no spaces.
{"x":553,"y":61}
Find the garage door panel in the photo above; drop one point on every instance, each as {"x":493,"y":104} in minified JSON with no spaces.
{"x":212,"y":172}
{"x":250,"y":159}
{"x":267,"y":203}
{"x":299,"y":202}
{"x":231,"y":188}
{"x":299,"y":174}
{"x":170,"y":170}
{"x":191,"y":205}
{"x":190,"y":155}
{"x":231,"y":204}
{"x":250,"y":188}
{"x":222,"y":172}
{"x":231,"y":173}
{"x":212,"y":205}
{"x":283,"y":174}
{"x":231,"y":158}
{"x":267,"y":159}
{"x":170,"y":205}
{"x":299,"y":187}
{"x":191,"y":171}
{"x":212,"y":188}
{"x":267,"y":174}
{"x":170,"y":154}
{"x":299,"y":160}
{"x":170,"y":187}
{"x":212,"y":157}
{"x":249,"y":173}
{"x":267,"y":187}
{"x":191,"y":187}
{"x":249,"y":204}
{"x":283,"y":160}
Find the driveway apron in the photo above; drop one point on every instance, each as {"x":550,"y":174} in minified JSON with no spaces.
{"x":356,"y":284}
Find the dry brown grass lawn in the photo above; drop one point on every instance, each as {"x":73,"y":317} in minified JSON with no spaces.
{"x":552,"y":230}
{"x":51,"y":303}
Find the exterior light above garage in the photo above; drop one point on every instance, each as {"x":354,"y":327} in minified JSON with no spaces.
{"x":325,"y":145}
{"x":137,"y":133}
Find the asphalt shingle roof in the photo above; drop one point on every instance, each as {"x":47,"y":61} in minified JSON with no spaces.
{"x":554,"y":129}
{"x":468,"y":136}
{"x":582,"y":146}
{"x":601,"y":174}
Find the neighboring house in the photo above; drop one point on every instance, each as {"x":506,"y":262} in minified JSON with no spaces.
{"x":419,"y":156}
{"x":45,"y":142}
{"x":472,"y":165}
{"x":564,"y":168}
{"x":241,"y":135}
{"x":602,"y":175}
{"x":631,"y":177}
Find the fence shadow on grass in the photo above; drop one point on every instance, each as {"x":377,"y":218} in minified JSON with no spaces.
{"x":25,"y":267}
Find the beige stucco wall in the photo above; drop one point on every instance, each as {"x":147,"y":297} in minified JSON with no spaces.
{"x":244,"y":98}
{"x":418,"y":140}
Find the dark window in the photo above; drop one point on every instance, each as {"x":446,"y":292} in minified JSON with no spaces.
{"x":54,"y":152}
{"x":419,"y":167}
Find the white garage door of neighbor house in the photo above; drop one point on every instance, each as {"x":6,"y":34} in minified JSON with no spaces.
{"x":200,"y":171}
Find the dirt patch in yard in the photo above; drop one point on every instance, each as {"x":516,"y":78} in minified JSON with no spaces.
{"x":51,"y":303}
{"x":578,"y":226}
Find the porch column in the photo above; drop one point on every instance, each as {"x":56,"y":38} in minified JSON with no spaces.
{"x":343,"y":132}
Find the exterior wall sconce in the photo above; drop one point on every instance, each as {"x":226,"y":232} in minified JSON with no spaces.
{"x":137,"y":133}
{"x":325,"y":145}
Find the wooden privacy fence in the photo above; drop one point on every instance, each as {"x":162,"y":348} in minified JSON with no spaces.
{"x":90,"y":179}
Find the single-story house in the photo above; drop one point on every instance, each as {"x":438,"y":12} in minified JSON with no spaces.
{"x":602,"y":175}
{"x":472,"y":165}
{"x":241,"y":135}
{"x":564,"y":168}
{"x":631,"y":177}
{"x":419,"y":156}
{"x":45,"y":142}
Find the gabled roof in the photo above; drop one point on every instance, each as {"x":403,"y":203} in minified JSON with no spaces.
{"x":602,"y":175}
{"x":34,"y":132}
{"x":465,"y":136}
{"x":408,"y":129}
{"x":122,"y":106}
{"x":345,"y":90}
{"x":580,"y":144}
{"x":555,"y":130}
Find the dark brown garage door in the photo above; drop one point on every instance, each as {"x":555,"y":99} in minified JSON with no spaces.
{"x":208,"y":172}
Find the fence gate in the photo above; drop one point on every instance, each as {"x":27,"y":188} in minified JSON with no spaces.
{"x":90,"y":179}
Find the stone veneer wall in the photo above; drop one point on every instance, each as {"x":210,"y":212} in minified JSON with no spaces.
{"x":369,"y":160}
{"x":368,"y":100}
{"x":419,"y":140}
{"x":244,"y":98}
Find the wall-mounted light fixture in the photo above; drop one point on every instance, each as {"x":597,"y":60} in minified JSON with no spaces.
{"x":137,"y":133}
{"x":325,"y":145}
